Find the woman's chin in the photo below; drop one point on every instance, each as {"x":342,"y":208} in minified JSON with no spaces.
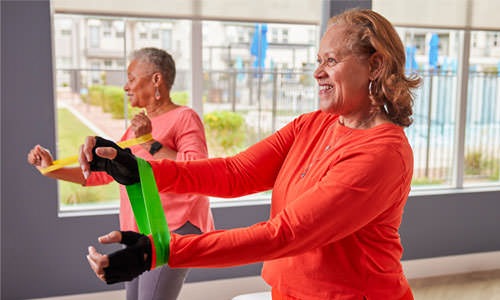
{"x":328,"y":110}
{"x":327,"y":106}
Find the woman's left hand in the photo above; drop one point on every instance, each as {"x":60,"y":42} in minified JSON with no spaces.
{"x":141,"y":125}
{"x":97,"y":262}
{"x":40,"y":157}
{"x":124,"y":264}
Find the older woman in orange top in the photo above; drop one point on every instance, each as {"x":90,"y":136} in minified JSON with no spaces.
{"x":340,"y":178}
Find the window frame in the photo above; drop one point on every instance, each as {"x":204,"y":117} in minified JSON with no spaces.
{"x":457,"y":182}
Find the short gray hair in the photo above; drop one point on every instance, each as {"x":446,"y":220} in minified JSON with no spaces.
{"x":159,"y":60}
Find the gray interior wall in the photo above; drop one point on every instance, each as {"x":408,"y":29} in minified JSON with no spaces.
{"x":333,"y":7}
{"x":43,"y":255}
{"x":451,"y":224}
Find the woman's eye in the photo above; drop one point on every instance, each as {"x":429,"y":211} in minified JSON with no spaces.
{"x":331,"y":62}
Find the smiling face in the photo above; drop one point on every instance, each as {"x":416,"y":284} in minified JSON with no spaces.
{"x":140,"y":86}
{"x":342,"y":76}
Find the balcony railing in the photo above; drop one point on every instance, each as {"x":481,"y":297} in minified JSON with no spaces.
{"x":271,"y":98}
{"x":268,"y":99}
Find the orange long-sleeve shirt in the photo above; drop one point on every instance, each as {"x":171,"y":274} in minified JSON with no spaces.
{"x":337,"y":203}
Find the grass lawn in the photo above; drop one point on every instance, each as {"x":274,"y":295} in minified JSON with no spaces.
{"x":71,"y":134}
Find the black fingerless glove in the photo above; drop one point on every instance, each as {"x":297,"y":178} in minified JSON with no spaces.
{"x":128,"y":263}
{"x":123,"y":168}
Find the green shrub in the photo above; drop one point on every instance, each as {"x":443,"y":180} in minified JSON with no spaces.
{"x":114,"y":101}
{"x":494,"y":166}
{"x":111,"y":99}
{"x":104,"y":77}
{"x":96,"y":95}
{"x":496,"y":174}
{"x":181,"y":98}
{"x":225,"y":132}
{"x":426,"y":181}
{"x":85,"y":98}
{"x":473,"y":163}
{"x":477,"y":165}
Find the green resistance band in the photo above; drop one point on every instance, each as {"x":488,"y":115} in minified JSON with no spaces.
{"x":148,"y":211}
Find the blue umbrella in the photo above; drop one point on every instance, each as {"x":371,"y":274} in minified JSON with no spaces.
{"x":433,"y":51}
{"x":259,"y":45}
{"x":411,"y":63}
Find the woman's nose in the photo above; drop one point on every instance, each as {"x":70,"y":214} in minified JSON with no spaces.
{"x":319,"y":72}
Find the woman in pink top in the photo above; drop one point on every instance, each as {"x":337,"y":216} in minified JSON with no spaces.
{"x":178,"y":134}
{"x":340,"y":177}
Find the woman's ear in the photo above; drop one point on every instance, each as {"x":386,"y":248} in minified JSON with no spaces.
{"x":156,"y":78}
{"x":375,"y":61}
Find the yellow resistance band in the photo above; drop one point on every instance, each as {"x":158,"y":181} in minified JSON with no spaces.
{"x":57,"y":164}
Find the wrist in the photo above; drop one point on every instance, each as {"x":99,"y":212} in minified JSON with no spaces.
{"x":146,"y":145}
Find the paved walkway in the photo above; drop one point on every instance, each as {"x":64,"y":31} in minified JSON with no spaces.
{"x":93,"y":117}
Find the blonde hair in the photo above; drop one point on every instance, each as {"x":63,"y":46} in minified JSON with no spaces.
{"x":368,"y":33}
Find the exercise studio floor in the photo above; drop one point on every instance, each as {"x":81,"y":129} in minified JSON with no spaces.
{"x":469,"y":286}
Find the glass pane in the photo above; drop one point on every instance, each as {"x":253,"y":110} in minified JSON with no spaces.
{"x":87,"y":51}
{"x":257,"y":77}
{"x":91,"y":56}
{"x":433,"y":55}
{"x":482,"y":139}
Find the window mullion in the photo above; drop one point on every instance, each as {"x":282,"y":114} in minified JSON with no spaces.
{"x":197,"y":63}
{"x":461,"y":113}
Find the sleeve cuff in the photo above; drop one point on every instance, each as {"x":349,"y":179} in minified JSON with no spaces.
{"x":153,"y":252}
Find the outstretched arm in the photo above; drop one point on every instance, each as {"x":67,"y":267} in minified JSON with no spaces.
{"x":248,"y":172}
{"x":41,"y":158}
{"x":328,"y":212}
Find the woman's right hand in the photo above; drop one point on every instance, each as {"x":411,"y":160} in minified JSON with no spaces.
{"x":40,"y":157}
{"x":141,"y":124}
{"x":98,"y":154}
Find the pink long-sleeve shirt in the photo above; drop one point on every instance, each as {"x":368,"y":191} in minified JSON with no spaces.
{"x":181,"y":130}
{"x":337,"y":204}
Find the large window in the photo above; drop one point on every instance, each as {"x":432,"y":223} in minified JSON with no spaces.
{"x":433,"y":55}
{"x":459,"y":147}
{"x":251,"y":85}
{"x":435,"y":135}
{"x":91,"y":57}
{"x":256,"y":82}
{"x":482,"y":130}
{"x":256,"y":77}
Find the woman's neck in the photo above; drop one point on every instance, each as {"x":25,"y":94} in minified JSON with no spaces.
{"x":363,"y":122}
{"x":160,"y":107}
